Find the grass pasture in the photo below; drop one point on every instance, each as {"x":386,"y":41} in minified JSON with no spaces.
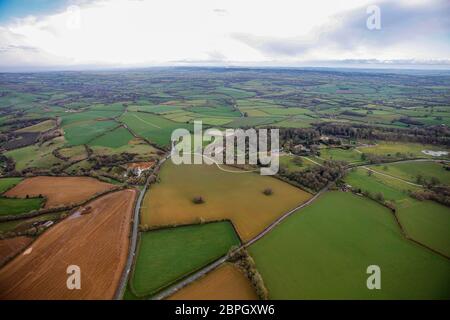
{"x":323,"y":251}
{"x":338,"y":154}
{"x":39,"y":127}
{"x":410,"y":170}
{"x":283,"y":111}
{"x":21,"y":225}
{"x":214,"y":121}
{"x":388,"y":148}
{"x":8,"y":183}
{"x":152,"y":127}
{"x":137,"y":146}
{"x":36,"y":156}
{"x":294,"y":163}
{"x":11,"y":206}
{"x":235,"y":196}
{"x":94,"y":115}
{"x":74,"y":153}
{"x":296,"y":122}
{"x":252,"y":122}
{"x":114,"y":108}
{"x":158,"y":109}
{"x":391,"y":189}
{"x":235,"y":93}
{"x":215,"y":111}
{"x":116,"y":138}
{"x":83,"y":132}
{"x":167,"y":255}
{"x":427,"y":222}
{"x":252,"y":112}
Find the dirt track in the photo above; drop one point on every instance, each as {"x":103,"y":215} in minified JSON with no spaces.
{"x":97,"y":242}
{"x":59,"y":190}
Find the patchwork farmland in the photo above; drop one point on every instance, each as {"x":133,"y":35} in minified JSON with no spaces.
{"x":86,"y":179}
{"x":420,"y":220}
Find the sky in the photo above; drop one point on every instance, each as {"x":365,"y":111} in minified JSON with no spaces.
{"x":88,"y":34}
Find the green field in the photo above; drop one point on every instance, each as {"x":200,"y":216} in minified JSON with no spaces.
{"x":235,"y":93}
{"x":427,"y":222}
{"x":83,"y":132}
{"x":296,"y":122}
{"x":136,"y":146}
{"x":392,"y":189}
{"x":410,"y":170}
{"x":158,"y":109}
{"x":8,"y":183}
{"x":95,"y":115}
{"x":36,"y":156}
{"x":12,"y":206}
{"x":252,"y":122}
{"x":391,"y":148}
{"x":323,"y":251}
{"x":338,"y":154}
{"x":113,"y":108}
{"x":39,"y":127}
{"x":215,"y":111}
{"x":294,"y":163}
{"x":113,"y":139}
{"x":153,"y":127}
{"x":73,"y":153}
{"x":168,"y":255}
{"x":280,"y":111}
{"x":25,"y":224}
{"x":214,"y":121}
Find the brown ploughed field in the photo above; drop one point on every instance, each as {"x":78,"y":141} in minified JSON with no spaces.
{"x":97,"y":242}
{"x":59,"y":190}
{"x":12,"y":246}
{"x":224,"y":283}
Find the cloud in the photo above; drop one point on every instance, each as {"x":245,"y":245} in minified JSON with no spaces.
{"x":221,"y":12}
{"x":283,"y":32}
{"x":407,"y":31}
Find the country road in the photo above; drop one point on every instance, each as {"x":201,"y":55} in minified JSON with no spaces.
{"x":133,"y":241}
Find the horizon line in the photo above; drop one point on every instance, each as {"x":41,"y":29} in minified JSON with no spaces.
{"x":356,"y":67}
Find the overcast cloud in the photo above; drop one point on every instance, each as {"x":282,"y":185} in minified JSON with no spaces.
{"x":132,"y":33}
